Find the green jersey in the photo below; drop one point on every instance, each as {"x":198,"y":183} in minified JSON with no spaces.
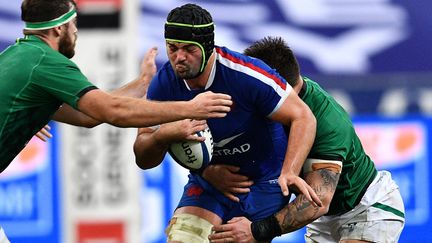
{"x":336,"y":139}
{"x":34,"y":81}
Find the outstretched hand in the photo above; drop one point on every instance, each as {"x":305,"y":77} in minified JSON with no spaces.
{"x":139,"y":86}
{"x":237,"y":229}
{"x":148,"y":63}
{"x":148,"y":68}
{"x":287,"y":180}
{"x":226,"y":179}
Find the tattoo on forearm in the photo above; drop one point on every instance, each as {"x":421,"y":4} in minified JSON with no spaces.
{"x":300,"y":212}
{"x":297,"y":214}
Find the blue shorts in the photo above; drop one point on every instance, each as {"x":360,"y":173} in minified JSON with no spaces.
{"x":264,"y":199}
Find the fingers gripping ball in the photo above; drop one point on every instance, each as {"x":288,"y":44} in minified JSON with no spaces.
{"x":193,"y":155}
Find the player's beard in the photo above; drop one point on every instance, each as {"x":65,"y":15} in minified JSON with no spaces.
{"x":67,"y":45}
{"x":186,"y":71}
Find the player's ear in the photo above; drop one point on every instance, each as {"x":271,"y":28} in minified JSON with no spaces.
{"x":57,"y":30}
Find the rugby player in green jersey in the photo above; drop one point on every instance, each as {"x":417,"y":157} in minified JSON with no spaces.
{"x":360,"y":204}
{"x":37,"y":78}
{"x":40,"y":83}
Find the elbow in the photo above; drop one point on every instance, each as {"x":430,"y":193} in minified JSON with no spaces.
{"x":140,"y":159}
{"x":326,"y":200}
{"x":307,"y":115}
{"x":91,"y":124}
{"x":118,"y":120}
{"x":312,"y":120}
{"x":322,"y":211}
{"x":310,"y":124}
{"x":306,"y":119}
{"x":143,"y":164}
{"x":140,"y":162}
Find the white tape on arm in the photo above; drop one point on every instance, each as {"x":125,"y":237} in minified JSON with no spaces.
{"x":318,"y":164}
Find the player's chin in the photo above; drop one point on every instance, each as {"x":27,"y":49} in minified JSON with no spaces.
{"x":180,"y":74}
{"x":186,"y":74}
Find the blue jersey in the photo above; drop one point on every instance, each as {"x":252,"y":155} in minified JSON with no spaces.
{"x":246,"y":137}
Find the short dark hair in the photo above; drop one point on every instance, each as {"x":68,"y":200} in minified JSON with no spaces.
{"x":276,"y":53}
{"x":44,"y":10}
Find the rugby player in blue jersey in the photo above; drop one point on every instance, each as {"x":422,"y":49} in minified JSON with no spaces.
{"x":251,"y":136}
{"x":39,"y":82}
{"x":360,"y":204}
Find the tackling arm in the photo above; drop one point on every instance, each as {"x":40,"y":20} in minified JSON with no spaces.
{"x":131,"y":112}
{"x":300,"y":211}
{"x":296,"y":114}
{"x":136,"y":89}
{"x":292,"y":217}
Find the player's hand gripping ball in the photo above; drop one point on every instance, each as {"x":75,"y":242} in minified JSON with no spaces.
{"x":193,"y":155}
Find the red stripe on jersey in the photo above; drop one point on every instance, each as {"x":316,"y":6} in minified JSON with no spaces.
{"x":251,"y":66}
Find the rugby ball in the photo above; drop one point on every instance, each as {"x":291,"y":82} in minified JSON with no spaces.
{"x":193,"y":155}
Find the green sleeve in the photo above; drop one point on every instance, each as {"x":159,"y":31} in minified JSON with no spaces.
{"x":63,"y":79}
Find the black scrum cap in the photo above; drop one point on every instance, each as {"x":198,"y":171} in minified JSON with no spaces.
{"x":191,"y":24}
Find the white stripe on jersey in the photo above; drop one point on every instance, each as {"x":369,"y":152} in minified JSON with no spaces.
{"x":279,"y":104}
{"x":249,"y":71}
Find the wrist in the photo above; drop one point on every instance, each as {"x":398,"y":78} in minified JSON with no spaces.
{"x":145,"y":80}
{"x":203,"y":172}
{"x":289,"y":170}
{"x":266,"y":229}
{"x":186,"y":110}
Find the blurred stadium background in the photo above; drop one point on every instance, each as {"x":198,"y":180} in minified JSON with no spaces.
{"x":374,"y":56}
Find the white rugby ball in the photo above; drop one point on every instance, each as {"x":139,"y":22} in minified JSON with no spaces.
{"x":193,"y":155}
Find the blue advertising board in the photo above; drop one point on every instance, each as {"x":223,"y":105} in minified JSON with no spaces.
{"x":29,"y":197}
{"x":402,"y":147}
